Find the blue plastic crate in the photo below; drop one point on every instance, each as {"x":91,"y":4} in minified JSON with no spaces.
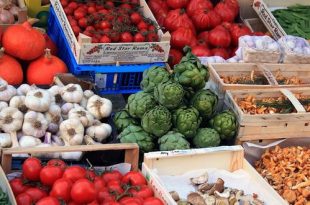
{"x":115,"y":79}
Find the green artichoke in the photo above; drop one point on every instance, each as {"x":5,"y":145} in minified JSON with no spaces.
{"x":135,"y":134}
{"x":172,"y":141}
{"x":206,"y":137}
{"x":139,"y":103}
{"x":205,"y":101}
{"x":152,"y":77}
{"x":122,"y":119}
{"x":225,"y":124}
{"x":157,"y":121}
{"x":169,"y":94}
{"x":190,"y":72}
{"x":186,"y":121}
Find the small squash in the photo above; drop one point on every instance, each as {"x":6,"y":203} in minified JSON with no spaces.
{"x":10,"y":69}
{"x":23,"y":41}
{"x":43,"y":70}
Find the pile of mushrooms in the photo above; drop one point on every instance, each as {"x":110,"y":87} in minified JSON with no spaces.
{"x":215,"y":194}
{"x":58,"y":116}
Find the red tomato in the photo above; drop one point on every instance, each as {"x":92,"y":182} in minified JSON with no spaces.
{"x":88,"y":33}
{"x":76,"y":30}
{"x":126,"y":7}
{"x":73,"y":22}
{"x":48,"y":201}
{"x":142,"y":192}
{"x":238,"y":30}
{"x":104,"y":195}
{"x":111,"y":175}
{"x":91,"y":10}
{"x":152,"y":201}
{"x":35,"y":193}
{"x":222,"y":52}
{"x":226,"y":12}
{"x":201,"y":51}
{"x":152,"y":37}
{"x":105,"y":24}
{"x":110,"y":203}
{"x":182,"y":37}
{"x":62,"y":189}
{"x":31,"y":168}
{"x":90,"y":174}
{"x":57,"y":162}
{"x":131,"y":201}
{"x":194,"y":5}
{"x":152,"y":28}
{"x":206,"y":19}
{"x":49,"y":174}
{"x":161,"y":16}
{"x":74,"y":173}
{"x":142,"y":25}
{"x":73,"y":5}
{"x":64,"y":3}
{"x":126,"y":37}
{"x":134,"y":178}
{"x":109,"y":4}
{"x":177,"y":4}
{"x":94,"y":40}
{"x":158,"y":5}
{"x":115,"y":186}
{"x":78,"y":14}
{"x":24,"y":199}
{"x":93,"y":203}
{"x":68,"y":11}
{"x":83,"y":22}
{"x":219,"y":37}
{"x":139,"y":37}
{"x":204,"y":36}
{"x":105,"y":39}
{"x":99,"y":183}
{"x":135,"y":18}
{"x":18,"y":186}
{"x":175,"y":57}
{"x":83,"y":191}
{"x":178,"y":18}
{"x":114,"y":35}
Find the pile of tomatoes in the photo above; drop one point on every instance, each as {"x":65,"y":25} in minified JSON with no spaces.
{"x":209,"y":29}
{"x":57,"y":184}
{"x":110,"y":21}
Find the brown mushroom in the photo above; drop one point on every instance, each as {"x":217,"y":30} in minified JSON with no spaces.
{"x":195,"y":199}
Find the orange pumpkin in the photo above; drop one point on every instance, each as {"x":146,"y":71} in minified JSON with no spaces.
{"x":23,"y":41}
{"x":10,"y":69}
{"x":43,"y":70}
{"x":51,"y":45}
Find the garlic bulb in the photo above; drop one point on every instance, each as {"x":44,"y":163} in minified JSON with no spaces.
{"x":72,"y":131}
{"x":19,"y":103}
{"x":53,"y":116}
{"x":5,"y":140}
{"x":29,"y":141}
{"x":99,"y":131}
{"x":99,"y":107}
{"x":88,"y":93}
{"x":7,"y":92}
{"x":83,"y":115}
{"x":38,"y":100}
{"x":3,"y":83}
{"x":89,"y":140}
{"x":3,"y":105}
{"x":23,"y":89}
{"x":55,"y":91}
{"x":11,"y":119}
{"x":35,"y":124}
{"x":72,"y":93}
{"x":83,"y":102}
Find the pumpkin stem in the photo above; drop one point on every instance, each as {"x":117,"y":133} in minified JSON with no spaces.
{"x":1,"y":52}
{"x":48,"y":53}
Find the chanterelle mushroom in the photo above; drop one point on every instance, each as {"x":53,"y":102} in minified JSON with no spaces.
{"x":200,"y":180}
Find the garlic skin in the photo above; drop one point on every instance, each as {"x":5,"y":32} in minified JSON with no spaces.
{"x":53,"y":117}
{"x":3,"y":105}
{"x":5,"y":140}
{"x":35,"y":124}
{"x":55,"y":92}
{"x":72,"y":131}
{"x":3,"y":84}
{"x":83,"y":102}
{"x":83,"y":115}
{"x":38,"y":100}
{"x":23,"y":89}
{"x":99,"y":131}
{"x":29,"y":141}
{"x":88,"y":93}
{"x":11,"y":119}
{"x":19,"y":103}
{"x":72,"y":93}
{"x":7,"y":92}
{"x":99,"y":107}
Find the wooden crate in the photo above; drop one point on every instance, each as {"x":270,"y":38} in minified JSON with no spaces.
{"x":268,"y":126}
{"x":179,"y":162}
{"x":5,"y":186}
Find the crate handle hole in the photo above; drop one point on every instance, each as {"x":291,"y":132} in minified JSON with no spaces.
{"x":306,"y":124}
{"x":285,"y":124}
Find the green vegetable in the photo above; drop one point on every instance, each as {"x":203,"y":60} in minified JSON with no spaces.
{"x":206,"y":137}
{"x":152,"y":77}
{"x":225,"y":124}
{"x":139,"y":103}
{"x":173,"y":141}
{"x":190,"y":72}
{"x":205,"y":101}
{"x":157,"y":121}
{"x":186,"y":121}
{"x":122,"y":119}
{"x":169,"y":94}
{"x":4,"y":199}
{"x":135,"y":134}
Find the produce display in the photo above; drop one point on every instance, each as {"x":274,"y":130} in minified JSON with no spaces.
{"x":4,"y":199}
{"x":57,"y":183}
{"x":58,"y":116}
{"x":215,"y":193}
{"x":256,"y":78}
{"x":287,"y":171}
{"x":9,"y":12}
{"x":174,"y":110}
{"x":110,"y":21}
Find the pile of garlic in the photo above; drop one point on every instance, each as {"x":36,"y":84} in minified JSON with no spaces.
{"x":58,"y":116}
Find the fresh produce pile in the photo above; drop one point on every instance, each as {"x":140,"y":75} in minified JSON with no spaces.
{"x":254,"y":78}
{"x":58,"y":116}
{"x":4,"y":199}
{"x":304,"y":100}
{"x":209,"y":29}
{"x":294,"y":20}
{"x":23,"y":43}
{"x":56,"y":183}
{"x":288,"y":80}
{"x":8,"y":12}
{"x":215,"y":193}
{"x":174,"y":110}
{"x":287,"y":171}
{"x":110,"y":21}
